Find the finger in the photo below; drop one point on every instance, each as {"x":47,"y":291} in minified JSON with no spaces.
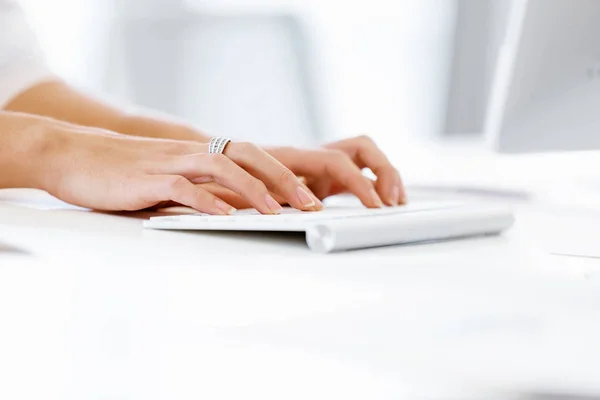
{"x":366,"y":154}
{"x":224,"y":171}
{"x":278,"y":178}
{"x":338,"y":166}
{"x":159,"y":146}
{"x":182,"y":191}
{"x":389,"y":186}
{"x":228,"y":195}
{"x":232,"y":197}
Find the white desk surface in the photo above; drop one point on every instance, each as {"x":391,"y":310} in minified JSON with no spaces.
{"x":94,"y":307}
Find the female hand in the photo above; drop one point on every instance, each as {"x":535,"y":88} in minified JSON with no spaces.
{"x":106,"y":171}
{"x":337,"y":168}
{"x":334,"y":169}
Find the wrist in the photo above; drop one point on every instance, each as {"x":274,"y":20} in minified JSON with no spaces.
{"x":26,"y":143}
{"x":160,"y":128}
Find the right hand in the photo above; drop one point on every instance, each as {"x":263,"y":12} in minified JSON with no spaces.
{"x":102,"y":170}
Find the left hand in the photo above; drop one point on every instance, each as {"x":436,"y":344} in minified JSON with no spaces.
{"x":333,"y":169}
{"x":337,"y":168}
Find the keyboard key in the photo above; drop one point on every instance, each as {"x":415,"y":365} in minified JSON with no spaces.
{"x":291,"y":215}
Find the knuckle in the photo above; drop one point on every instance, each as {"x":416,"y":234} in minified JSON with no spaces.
{"x":392,"y":171}
{"x":200,"y":194}
{"x":365,"y":139}
{"x":337,"y":156}
{"x":175,"y":183}
{"x":244,"y":152}
{"x":287,"y":177}
{"x":256,"y":186}
{"x":389,"y":169}
{"x":248,"y":147}
{"x":368,"y":182}
{"x":217,"y":159}
{"x":217,"y":162}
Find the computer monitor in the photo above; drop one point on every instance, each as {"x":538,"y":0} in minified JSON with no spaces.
{"x":546,"y":90}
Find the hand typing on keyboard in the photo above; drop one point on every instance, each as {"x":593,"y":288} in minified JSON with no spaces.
{"x":331,"y":170}
{"x":100,"y":169}
{"x":97,"y":155}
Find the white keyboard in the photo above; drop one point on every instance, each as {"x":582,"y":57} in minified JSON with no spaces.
{"x":343,"y":227}
{"x":292,"y":220}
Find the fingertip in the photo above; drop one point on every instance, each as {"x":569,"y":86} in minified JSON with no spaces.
{"x":375,"y":200}
{"x":305,"y":199}
{"x":224,"y":208}
{"x":395,"y":197}
{"x":319,"y":206}
{"x":402,"y":198}
{"x":273,"y":206}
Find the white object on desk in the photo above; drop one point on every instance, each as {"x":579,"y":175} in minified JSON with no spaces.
{"x":346,"y":228}
{"x":547,"y":100}
{"x":97,"y":307}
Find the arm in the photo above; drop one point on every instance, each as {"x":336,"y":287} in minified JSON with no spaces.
{"x":23,"y":142}
{"x":100,"y":169}
{"x":329,"y":171}
{"x":27,"y":85}
{"x":58,"y":100}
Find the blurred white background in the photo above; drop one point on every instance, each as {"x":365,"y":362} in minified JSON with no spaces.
{"x":271,"y":71}
{"x":406,"y":72}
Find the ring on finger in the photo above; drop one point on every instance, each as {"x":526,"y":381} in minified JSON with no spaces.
{"x":218,"y":144}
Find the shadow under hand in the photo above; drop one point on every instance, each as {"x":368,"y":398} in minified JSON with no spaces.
{"x":152,"y":212}
{"x":249,"y":241}
{"x":6,"y":249}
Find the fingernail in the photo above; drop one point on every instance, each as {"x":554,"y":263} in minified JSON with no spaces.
{"x":273,"y":205}
{"x":224,"y":207}
{"x":376,"y":199}
{"x":305,"y":199}
{"x":319,"y":204}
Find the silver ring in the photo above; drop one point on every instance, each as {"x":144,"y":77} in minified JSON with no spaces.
{"x":217,"y":145}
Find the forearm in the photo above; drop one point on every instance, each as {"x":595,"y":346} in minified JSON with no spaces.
{"x":60,"y":101}
{"x":24,"y":142}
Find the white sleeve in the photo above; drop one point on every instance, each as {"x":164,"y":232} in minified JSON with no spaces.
{"x":22,"y":63}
